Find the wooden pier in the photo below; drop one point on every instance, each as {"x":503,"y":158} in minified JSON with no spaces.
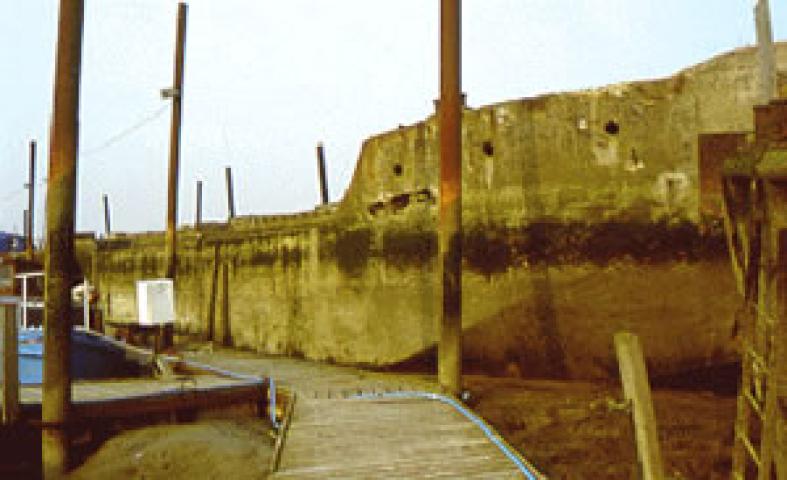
{"x":345,"y":427}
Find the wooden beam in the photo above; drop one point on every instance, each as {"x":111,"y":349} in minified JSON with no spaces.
{"x":636,"y":391}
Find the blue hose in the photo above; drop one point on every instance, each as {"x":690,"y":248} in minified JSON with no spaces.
{"x":522,"y":466}
{"x":272,"y":409}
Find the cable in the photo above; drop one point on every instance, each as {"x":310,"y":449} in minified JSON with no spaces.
{"x":124,"y":133}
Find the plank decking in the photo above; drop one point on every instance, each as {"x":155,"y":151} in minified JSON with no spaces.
{"x":336,"y":435}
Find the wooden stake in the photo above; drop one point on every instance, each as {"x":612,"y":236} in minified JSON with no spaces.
{"x":198,"y":215}
{"x":636,"y":391}
{"x":321,"y":172}
{"x":107,"y":224}
{"x":230,"y":194}
{"x":60,"y":262}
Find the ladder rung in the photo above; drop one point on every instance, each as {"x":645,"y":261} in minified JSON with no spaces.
{"x":749,"y":448}
{"x":755,"y":405}
{"x":757,"y":359}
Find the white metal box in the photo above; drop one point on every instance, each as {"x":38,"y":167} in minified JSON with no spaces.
{"x":155,"y":302}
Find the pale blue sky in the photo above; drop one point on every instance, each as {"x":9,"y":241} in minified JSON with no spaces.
{"x":266,"y":80}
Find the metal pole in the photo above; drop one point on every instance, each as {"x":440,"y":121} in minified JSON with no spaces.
{"x":321,"y":171}
{"x":31,"y":185}
{"x":230,"y":193}
{"x":449,"y":366}
{"x":60,"y":262}
{"x":765,"y":51}
{"x":174,"y":142}
{"x":198,"y":217}
{"x":107,"y":224}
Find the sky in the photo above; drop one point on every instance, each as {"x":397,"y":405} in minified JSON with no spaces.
{"x":266,"y":80}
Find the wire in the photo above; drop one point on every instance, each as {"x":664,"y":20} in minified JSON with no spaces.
{"x":124,"y":133}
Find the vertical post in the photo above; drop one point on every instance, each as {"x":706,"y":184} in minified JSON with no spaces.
{"x":59,"y":261}
{"x":450,"y":214}
{"x":174,"y":141}
{"x":230,"y":193}
{"x":107,"y":224}
{"x":636,"y":391}
{"x":86,"y":304}
{"x":226,"y":326}
{"x":26,"y":226}
{"x":321,"y":172}
{"x":23,"y":306}
{"x":765,"y":52}
{"x":10,"y":365}
{"x":198,"y":215}
{"x":31,"y":185}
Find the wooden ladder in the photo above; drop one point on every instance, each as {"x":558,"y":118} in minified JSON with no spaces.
{"x":755,"y":430}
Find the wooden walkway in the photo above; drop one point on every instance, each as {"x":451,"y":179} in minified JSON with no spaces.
{"x":131,"y":397}
{"x":336,"y":435}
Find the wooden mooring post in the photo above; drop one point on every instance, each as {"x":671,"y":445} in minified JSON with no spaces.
{"x":636,"y":391}
{"x":176,"y":93}
{"x":107,"y":223}
{"x":321,"y":173}
{"x":10,"y":363}
{"x":60,"y":262}
{"x":449,"y":350}
{"x":230,"y":193}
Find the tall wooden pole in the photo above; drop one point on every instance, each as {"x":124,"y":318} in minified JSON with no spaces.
{"x":449,"y":366}
{"x":321,"y":172}
{"x":10,"y":366}
{"x":230,"y":193}
{"x":765,"y":52}
{"x":198,"y":215}
{"x":107,"y":223}
{"x":59,"y":261}
{"x":31,"y":186}
{"x":174,"y":142}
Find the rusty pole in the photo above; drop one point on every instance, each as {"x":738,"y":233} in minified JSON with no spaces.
{"x":107,"y":224}
{"x":449,"y":366}
{"x":31,"y":185}
{"x":174,"y":141}
{"x":765,"y":52}
{"x":25,"y":225}
{"x":230,"y":194}
{"x":59,"y":261}
{"x":198,"y":215}
{"x":321,"y":172}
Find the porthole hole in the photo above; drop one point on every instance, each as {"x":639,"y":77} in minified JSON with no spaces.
{"x":612,"y":127}
{"x":488,"y":148}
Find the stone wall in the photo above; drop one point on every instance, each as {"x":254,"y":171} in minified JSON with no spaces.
{"x":582,"y":216}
